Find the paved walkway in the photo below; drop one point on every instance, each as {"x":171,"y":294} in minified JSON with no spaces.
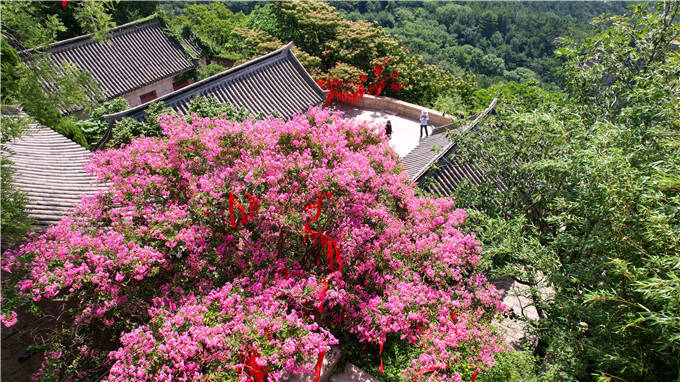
{"x":405,"y":131}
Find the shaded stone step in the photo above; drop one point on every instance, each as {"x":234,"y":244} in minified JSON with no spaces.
{"x":329,"y":361}
{"x":353,"y":374}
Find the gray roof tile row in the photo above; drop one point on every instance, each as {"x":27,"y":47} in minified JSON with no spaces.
{"x":134,"y":55}
{"x":270,"y":84}
{"x":48,"y":169}
{"x":433,"y":165}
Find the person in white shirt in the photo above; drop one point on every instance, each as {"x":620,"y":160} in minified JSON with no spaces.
{"x":424,"y":117}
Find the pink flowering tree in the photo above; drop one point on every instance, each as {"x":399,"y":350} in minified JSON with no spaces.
{"x":230,"y":251}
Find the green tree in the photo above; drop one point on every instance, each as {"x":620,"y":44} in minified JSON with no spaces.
{"x":31,"y":80}
{"x":581,"y":201}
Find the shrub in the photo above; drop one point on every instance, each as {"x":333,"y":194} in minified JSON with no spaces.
{"x":70,"y":128}
{"x":512,"y":366}
{"x":210,"y":70}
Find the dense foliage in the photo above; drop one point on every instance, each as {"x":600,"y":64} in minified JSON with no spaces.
{"x":589,"y":215}
{"x":328,"y":45}
{"x":158,"y":272}
{"x":127,"y":129}
{"x":495,"y":40}
{"x":15,"y":221}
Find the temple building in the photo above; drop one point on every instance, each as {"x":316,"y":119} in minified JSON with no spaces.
{"x":138,"y":61}
{"x":273,"y":84}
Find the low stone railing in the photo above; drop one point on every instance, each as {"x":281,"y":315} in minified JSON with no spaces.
{"x":406,"y":109}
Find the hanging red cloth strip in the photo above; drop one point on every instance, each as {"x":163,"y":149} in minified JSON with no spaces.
{"x":232,"y":201}
{"x":474,"y":375}
{"x":322,"y":294}
{"x":319,"y":363}
{"x":253,"y":206}
{"x":254,"y":369}
{"x":380,"y":355}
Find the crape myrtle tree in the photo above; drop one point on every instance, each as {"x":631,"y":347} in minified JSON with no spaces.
{"x":231,"y":251}
{"x":589,"y":214}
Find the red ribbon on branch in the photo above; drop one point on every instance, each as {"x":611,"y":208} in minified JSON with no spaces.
{"x":319,"y":363}
{"x":322,"y":294}
{"x":256,"y":371}
{"x":232,"y":201}
{"x":253,"y":206}
{"x":380,"y":355}
{"x":63,"y":3}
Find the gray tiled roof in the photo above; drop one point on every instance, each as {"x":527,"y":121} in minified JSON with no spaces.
{"x":433,"y":165}
{"x":48,"y":169}
{"x":274,"y":83}
{"x":134,"y":55}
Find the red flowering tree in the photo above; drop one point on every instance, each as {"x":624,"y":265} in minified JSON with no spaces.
{"x":348,"y":84}
{"x":226,"y":251}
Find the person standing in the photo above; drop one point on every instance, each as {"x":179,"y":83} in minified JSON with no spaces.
{"x":424,"y":117}
{"x":388,"y":129}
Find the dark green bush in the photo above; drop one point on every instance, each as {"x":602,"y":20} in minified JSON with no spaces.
{"x":513,"y":366}
{"x":70,"y":128}
{"x":210,"y":70}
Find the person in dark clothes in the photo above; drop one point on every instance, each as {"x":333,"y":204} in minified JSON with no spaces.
{"x":388,"y":129}
{"x":424,"y":116}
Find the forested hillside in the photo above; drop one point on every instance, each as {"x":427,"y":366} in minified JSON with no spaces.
{"x":498,"y":41}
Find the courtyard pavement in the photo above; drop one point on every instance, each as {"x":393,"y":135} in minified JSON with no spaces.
{"x":405,"y":131}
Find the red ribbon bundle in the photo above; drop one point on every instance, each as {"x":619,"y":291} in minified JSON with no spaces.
{"x":256,"y":371}
{"x":319,"y":363}
{"x":329,"y":243}
{"x":325,"y":240}
{"x":253,"y":206}
{"x":63,"y":3}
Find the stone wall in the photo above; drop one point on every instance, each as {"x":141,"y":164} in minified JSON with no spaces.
{"x":161,"y":87}
{"x":406,"y":109}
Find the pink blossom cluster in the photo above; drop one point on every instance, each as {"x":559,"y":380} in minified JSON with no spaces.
{"x":210,"y":336}
{"x":156,"y":252}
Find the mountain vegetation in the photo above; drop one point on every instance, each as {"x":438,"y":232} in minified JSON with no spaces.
{"x":589,"y":215}
{"x":497,"y":41}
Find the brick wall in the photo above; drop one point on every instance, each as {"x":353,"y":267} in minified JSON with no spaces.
{"x":161,"y":87}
